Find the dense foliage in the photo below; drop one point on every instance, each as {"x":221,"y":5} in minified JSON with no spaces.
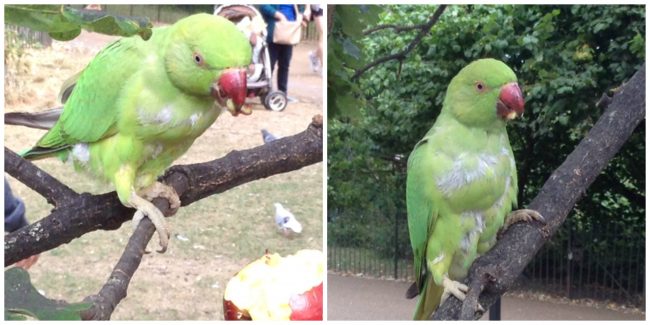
{"x":566,"y":57}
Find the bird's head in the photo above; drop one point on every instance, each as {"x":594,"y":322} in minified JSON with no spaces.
{"x":485,"y":93}
{"x":207,"y":56}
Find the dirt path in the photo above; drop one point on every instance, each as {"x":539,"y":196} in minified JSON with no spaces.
{"x":353,"y":298}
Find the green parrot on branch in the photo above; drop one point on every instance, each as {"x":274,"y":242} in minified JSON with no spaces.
{"x":462,"y":182}
{"x":139,"y":105}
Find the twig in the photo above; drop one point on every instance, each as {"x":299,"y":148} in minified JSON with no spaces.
{"x":84,"y":213}
{"x":425,"y":28}
{"x":115,"y":288}
{"x":396,"y":28}
{"x":507,"y":259}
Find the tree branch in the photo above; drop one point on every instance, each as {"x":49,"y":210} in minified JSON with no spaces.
{"x":396,"y":28}
{"x":499,"y":268}
{"x":84,"y":213}
{"x":38,"y":180}
{"x":424,"y":29}
{"x":115,"y":288}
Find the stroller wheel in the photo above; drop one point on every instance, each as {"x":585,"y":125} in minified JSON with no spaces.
{"x":275,"y":101}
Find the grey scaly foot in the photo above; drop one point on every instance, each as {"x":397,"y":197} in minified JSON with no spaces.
{"x":167,"y":192}
{"x":526,"y":215}
{"x":452,"y":287}
{"x":457,"y":289}
{"x":147,"y":209}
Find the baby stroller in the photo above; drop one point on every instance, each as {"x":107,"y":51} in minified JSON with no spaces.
{"x":259,"y":78}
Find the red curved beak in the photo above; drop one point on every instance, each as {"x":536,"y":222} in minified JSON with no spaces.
{"x":511,"y":102}
{"x":230,"y":91}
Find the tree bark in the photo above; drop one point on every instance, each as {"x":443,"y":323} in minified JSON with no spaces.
{"x":494,"y":273}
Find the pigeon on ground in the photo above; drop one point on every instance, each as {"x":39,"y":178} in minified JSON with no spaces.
{"x":267,"y":136}
{"x":286,"y":221}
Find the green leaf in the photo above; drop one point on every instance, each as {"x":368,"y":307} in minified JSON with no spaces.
{"x":64,"y":23}
{"x":22,"y":299}
{"x":637,"y":45}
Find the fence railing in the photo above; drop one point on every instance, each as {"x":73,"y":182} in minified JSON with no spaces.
{"x":25,"y":35}
{"x":606,"y":261}
{"x":600,"y":261}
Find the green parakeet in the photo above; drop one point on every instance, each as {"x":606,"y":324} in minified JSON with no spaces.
{"x":461,"y":181}
{"x":139,"y":105}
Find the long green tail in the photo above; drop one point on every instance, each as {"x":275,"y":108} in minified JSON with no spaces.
{"x":429,"y":300}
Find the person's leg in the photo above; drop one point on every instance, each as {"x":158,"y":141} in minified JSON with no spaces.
{"x":284,"y":59}
{"x":274,"y":51}
{"x":318,"y":20}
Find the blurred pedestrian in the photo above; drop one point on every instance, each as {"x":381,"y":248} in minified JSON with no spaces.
{"x":315,"y":13}
{"x":15,"y":219}
{"x":280,"y":53}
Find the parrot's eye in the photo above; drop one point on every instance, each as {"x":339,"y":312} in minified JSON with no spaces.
{"x":480,"y":86}
{"x":198,"y":59}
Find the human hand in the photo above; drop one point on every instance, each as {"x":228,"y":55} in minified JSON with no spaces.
{"x":280,"y":16}
{"x":307,"y":13}
{"x":28,"y":262}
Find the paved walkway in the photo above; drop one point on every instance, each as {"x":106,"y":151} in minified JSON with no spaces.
{"x":353,"y":298}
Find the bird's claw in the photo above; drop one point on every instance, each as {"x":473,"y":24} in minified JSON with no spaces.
{"x":452,"y":287}
{"x":158,"y":189}
{"x":520,"y":215}
{"x":147,"y":209}
{"x":458,"y":290}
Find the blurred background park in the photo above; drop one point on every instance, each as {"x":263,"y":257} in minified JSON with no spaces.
{"x":566,"y":58}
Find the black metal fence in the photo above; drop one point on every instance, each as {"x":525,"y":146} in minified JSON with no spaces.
{"x":600,"y":261}
{"x":604,"y":261}
{"x":16,"y":35}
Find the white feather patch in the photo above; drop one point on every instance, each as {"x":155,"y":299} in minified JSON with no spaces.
{"x":155,"y":150}
{"x":459,"y":176}
{"x":478,"y":219}
{"x":194,"y":118}
{"x":81,"y":153}
{"x":163,"y":117}
{"x":438,"y":259}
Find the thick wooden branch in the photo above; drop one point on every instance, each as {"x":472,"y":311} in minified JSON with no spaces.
{"x":494,"y":273}
{"x":38,"y":180}
{"x":84,"y":213}
{"x":401,"y":55}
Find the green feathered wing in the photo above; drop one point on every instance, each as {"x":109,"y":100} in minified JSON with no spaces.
{"x":422,"y":216}
{"x":90,"y":113}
